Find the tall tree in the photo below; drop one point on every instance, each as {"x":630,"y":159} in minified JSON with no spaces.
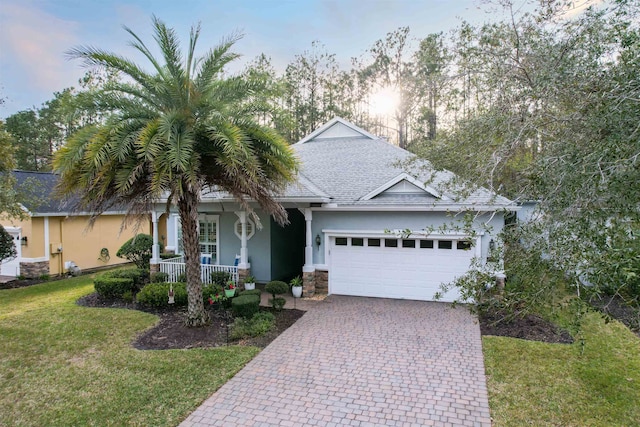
{"x":8,"y":198}
{"x":178,"y":130}
{"x":31,"y":150}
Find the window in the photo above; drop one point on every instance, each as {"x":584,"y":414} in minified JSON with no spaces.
{"x":390,"y":243}
{"x":464,"y":245}
{"x":426,"y":244}
{"x":373,"y":242}
{"x":408,"y":243}
{"x":357,"y":241}
{"x":445,"y":244}
{"x":208,"y":236}
{"x":251,"y":229}
{"x":341,"y":241}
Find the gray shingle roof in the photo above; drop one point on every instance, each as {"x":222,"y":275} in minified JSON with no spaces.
{"x":347,"y":169}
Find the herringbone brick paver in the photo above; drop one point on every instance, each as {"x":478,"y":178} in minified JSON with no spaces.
{"x":361,"y":362}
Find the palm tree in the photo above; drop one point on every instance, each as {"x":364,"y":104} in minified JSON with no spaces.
{"x":180,"y":130}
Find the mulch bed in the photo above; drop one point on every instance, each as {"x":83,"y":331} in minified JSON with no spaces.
{"x":615,"y":307}
{"x":14,"y":284}
{"x":171,"y":332}
{"x":530,"y":327}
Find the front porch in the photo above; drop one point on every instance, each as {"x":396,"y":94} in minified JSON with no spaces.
{"x":174,"y":267}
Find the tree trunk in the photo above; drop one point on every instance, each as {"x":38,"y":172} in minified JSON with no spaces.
{"x":188,"y":209}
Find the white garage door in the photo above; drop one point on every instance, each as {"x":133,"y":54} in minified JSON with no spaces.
{"x":397,"y":268}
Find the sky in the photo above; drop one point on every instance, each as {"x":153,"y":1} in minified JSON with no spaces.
{"x":35,"y":34}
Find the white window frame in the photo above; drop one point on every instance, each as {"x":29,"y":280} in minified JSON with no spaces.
{"x":215,"y":219}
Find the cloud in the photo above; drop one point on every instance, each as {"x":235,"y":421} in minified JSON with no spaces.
{"x":33,"y":44}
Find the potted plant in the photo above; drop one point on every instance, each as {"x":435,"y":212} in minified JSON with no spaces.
{"x":216,"y":300}
{"x":230,"y":289}
{"x":296,"y":286}
{"x":250,"y":283}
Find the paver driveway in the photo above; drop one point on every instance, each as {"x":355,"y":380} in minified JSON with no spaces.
{"x":361,"y":361}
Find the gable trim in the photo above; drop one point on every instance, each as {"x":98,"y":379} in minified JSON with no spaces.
{"x":403,"y":177}
{"x":332,"y":122}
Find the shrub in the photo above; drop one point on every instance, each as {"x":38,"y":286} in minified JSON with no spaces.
{"x":220,"y":278}
{"x":257,"y":292}
{"x":7,"y":247}
{"x":159,"y":277}
{"x":112,"y":287}
{"x":245,"y":305}
{"x":137,"y":275}
{"x":182,"y":278}
{"x":259,"y":324}
{"x":157,"y":294}
{"x":276,"y":287}
{"x":277,"y":303}
{"x":127,"y":296}
{"x":137,"y":250}
{"x":209,"y":289}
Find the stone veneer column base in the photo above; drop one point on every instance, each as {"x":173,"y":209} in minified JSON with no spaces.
{"x":154,"y":268}
{"x":243,"y":273}
{"x":322,"y":281}
{"x":308,"y":283}
{"x":33,"y":270}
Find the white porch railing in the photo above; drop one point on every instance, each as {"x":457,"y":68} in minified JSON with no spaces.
{"x":174,"y":267}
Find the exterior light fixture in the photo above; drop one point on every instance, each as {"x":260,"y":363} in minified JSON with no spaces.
{"x":24,"y":241}
{"x":318,"y":240}
{"x":492,"y":245}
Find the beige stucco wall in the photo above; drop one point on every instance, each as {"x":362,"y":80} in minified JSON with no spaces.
{"x":83,"y":246}
{"x":79,"y":244}
{"x":162,"y":229}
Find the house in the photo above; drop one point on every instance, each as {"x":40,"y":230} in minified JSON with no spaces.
{"x":52,"y":236}
{"x":361,"y":223}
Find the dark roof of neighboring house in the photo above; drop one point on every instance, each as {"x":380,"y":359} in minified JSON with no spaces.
{"x":36,"y":192}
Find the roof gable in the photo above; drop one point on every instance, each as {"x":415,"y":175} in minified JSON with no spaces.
{"x":404,"y":184}
{"x":337,"y":128}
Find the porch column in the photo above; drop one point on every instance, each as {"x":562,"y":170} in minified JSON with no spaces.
{"x":243,"y":265}
{"x":309,"y":269}
{"x":155,"y":249}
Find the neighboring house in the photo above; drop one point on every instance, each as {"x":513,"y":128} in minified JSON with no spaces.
{"x":350,"y":190}
{"x":51,"y":236}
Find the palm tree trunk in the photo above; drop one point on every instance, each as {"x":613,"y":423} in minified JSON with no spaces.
{"x":188,"y":209}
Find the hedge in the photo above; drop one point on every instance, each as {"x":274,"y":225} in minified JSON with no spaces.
{"x":157,"y":294}
{"x":113,"y":287}
{"x":245,"y":305}
{"x":257,"y":292}
{"x":137,"y":275}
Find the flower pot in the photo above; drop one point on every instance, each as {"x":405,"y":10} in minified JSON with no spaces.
{"x":249,"y":286}
{"x":297,"y":291}
{"x":229,"y":293}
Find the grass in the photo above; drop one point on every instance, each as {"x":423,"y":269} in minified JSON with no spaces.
{"x":533,"y":383}
{"x":62,"y":364}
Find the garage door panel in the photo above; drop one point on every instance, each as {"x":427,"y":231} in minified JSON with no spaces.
{"x":388,"y":272}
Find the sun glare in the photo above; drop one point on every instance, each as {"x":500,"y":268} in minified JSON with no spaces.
{"x":384,"y":102}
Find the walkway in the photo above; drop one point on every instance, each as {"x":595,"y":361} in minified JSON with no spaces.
{"x":361,"y":362}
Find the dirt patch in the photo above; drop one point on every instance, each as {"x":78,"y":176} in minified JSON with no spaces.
{"x":171,"y":332}
{"x":530,"y":327}
{"x":23,"y":283}
{"x":615,"y":307}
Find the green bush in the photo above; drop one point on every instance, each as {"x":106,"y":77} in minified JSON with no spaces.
{"x":277,"y":303}
{"x":259,"y":324}
{"x":220,"y":278}
{"x":137,"y":250}
{"x":245,"y":305}
{"x":276,"y":287}
{"x":157,"y":294}
{"x":209,"y":289}
{"x":168,"y":255}
{"x":113,"y":287}
{"x":7,"y":248}
{"x":182,"y":277}
{"x":251,"y":292}
{"x":137,"y":275}
{"x":159,"y":277}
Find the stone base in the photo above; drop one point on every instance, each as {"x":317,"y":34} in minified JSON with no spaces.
{"x":322,"y":282}
{"x":33,"y":270}
{"x":308,"y":283}
{"x":154,"y":268}
{"x":243,"y":273}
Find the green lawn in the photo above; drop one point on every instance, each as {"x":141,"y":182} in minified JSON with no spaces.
{"x":61,"y":364}
{"x":532,"y":383}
